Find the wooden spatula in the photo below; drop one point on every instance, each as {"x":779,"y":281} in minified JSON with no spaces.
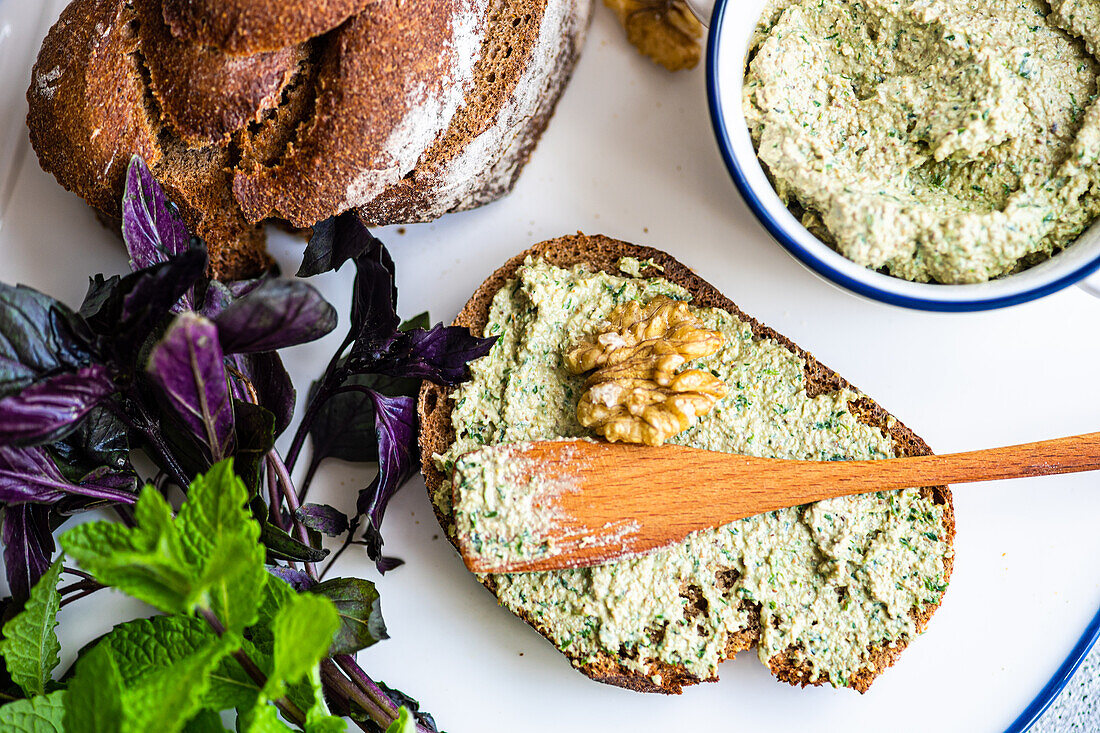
{"x":569,"y":504}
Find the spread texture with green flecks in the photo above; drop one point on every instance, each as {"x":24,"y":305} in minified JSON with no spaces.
{"x":936,"y":140}
{"x":828,"y":580}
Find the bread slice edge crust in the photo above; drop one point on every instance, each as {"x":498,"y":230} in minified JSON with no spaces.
{"x":603,"y":253}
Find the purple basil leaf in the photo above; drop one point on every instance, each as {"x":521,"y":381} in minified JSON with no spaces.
{"x":384,"y":563}
{"x":374,"y":318}
{"x":50,"y":409}
{"x":335,"y":241}
{"x":400,"y":699}
{"x":138,"y":303}
{"x":254,"y":432}
{"x":29,"y":475}
{"x":296,"y":579}
{"x":188,"y":365}
{"x":101,"y":440}
{"x":398,"y":459}
{"x":219,"y":295}
{"x":39,"y":336}
{"x":151,"y":226}
{"x":277,"y":314}
{"x":439,"y":355}
{"x":323,"y":518}
{"x":269,"y":378}
{"x":28,"y":546}
{"x":357,"y":602}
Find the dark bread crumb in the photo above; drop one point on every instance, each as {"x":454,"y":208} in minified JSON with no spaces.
{"x":603,"y":253}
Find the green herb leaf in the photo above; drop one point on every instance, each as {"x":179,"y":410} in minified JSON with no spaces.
{"x":209,"y":556}
{"x":165,"y":698}
{"x":222,"y":539}
{"x":147,"y":562}
{"x":205,"y":721}
{"x":405,"y":723}
{"x":93,"y":700}
{"x":39,"y":714}
{"x":30,"y":647}
{"x":303,"y":629}
{"x":144,"y":646}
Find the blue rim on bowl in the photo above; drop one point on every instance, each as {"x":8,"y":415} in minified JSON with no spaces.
{"x":919,"y":296}
{"x":811,"y":260}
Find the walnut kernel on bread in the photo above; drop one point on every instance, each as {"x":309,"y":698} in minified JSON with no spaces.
{"x":408,"y":109}
{"x":603,"y":254}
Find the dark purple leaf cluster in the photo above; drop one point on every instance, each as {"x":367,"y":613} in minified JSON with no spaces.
{"x":371,"y":384}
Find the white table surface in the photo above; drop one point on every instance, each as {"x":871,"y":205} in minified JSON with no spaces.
{"x":630,"y":154}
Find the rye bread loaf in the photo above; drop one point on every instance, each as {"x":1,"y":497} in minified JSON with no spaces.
{"x":603,"y":253}
{"x":246,"y":27}
{"x":427,"y":106}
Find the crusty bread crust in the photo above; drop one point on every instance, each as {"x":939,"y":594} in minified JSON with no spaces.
{"x":245,"y":27}
{"x":603,"y":253}
{"x":299,"y":132}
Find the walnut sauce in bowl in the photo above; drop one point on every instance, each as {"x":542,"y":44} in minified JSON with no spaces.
{"x":732,"y":32}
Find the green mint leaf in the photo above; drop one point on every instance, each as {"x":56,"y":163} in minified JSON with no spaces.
{"x":206,"y":721}
{"x":93,"y":700}
{"x":405,"y":723}
{"x":221,"y":538}
{"x":209,"y":556}
{"x":30,"y":647}
{"x":262,"y":718}
{"x":146,"y":562}
{"x":303,"y":630}
{"x":143,"y":646}
{"x":39,"y":714}
{"x":164,"y":698}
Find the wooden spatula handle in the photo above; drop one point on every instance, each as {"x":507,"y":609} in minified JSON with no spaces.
{"x":822,"y":480}
{"x":623,"y":499}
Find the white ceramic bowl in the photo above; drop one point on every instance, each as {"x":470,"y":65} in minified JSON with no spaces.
{"x":731,"y":25}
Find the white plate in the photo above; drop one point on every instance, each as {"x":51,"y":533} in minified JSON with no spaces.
{"x":631,"y":154}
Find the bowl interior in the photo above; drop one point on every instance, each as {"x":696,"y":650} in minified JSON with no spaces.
{"x":731,"y":29}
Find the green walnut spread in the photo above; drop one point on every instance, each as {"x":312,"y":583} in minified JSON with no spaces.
{"x":936,"y":140}
{"x":828,"y":580}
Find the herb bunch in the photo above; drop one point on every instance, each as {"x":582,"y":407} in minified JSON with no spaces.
{"x":186,"y":370}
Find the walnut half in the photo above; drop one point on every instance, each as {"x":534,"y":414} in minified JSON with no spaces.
{"x":664,"y":30}
{"x":636,"y":394}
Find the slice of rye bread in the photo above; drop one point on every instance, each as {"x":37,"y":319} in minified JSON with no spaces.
{"x":603,"y":253}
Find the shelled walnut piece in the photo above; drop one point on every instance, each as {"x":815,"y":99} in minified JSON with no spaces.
{"x":664,"y":30}
{"x":636,"y":394}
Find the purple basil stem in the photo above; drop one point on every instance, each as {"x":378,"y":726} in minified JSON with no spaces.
{"x":151,"y":228}
{"x":28,"y":546}
{"x":50,"y":409}
{"x":439,"y":354}
{"x":398,"y":459}
{"x":277,"y":314}
{"x":29,"y":475}
{"x":188,"y":365}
